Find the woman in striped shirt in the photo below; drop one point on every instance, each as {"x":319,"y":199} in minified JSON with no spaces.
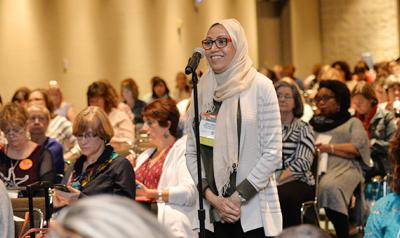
{"x":295,"y":177}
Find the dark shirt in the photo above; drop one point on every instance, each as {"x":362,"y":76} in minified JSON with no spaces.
{"x":116,"y":177}
{"x":57,"y":153}
{"x":137,"y":111}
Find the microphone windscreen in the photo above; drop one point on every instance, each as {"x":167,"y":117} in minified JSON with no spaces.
{"x":199,"y":50}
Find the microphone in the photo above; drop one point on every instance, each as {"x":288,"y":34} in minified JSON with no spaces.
{"x":194,"y":60}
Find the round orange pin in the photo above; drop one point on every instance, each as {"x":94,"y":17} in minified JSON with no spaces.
{"x":25,"y":164}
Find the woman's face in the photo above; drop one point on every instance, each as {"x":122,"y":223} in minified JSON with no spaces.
{"x":326,"y":102}
{"x":361,"y":104}
{"x":15,"y":134}
{"x":37,"y":98}
{"x":90,"y":143}
{"x":97,"y":102}
{"x":127,"y":94}
{"x":393,"y":93}
{"x":160,"y":90}
{"x":285,"y":99}
{"x":219,"y":59}
{"x":154,"y":130}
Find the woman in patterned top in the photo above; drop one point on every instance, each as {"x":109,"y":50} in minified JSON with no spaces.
{"x":22,"y":161}
{"x":298,"y":154}
{"x":99,"y":170}
{"x":161,"y":172}
{"x":384,"y":220}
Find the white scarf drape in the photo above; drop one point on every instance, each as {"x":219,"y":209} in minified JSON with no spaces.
{"x":226,"y":87}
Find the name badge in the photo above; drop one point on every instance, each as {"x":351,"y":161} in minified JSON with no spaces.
{"x":207,"y":129}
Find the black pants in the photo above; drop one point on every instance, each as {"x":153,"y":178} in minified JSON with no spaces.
{"x":291,"y":196}
{"x":235,"y":230}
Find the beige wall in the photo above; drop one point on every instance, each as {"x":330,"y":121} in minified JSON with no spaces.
{"x":77,"y":42}
{"x":289,"y":33}
{"x":350,"y":28}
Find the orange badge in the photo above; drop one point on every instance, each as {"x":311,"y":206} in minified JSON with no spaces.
{"x":25,"y":164}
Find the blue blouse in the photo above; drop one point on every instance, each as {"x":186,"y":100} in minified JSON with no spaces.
{"x":384,"y":220}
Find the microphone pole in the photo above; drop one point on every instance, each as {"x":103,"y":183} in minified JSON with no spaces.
{"x":191,"y":68}
{"x":201,"y":212}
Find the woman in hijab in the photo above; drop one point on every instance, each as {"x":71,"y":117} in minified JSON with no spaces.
{"x":239,"y":106}
{"x":347,"y":150}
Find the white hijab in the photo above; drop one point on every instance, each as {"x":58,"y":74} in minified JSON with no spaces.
{"x":226,"y":87}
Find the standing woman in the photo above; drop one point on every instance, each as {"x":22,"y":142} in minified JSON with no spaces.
{"x":298,"y":154}
{"x":347,"y":150}
{"x":241,"y":109}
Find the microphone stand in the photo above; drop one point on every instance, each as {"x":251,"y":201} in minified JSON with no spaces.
{"x":201,"y":212}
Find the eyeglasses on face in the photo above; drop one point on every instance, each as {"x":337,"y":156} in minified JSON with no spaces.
{"x":220,"y":42}
{"x":284,"y":96}
{"x":88,"y":135}
{"x":323,"y":99}
{"x":14,"y":130}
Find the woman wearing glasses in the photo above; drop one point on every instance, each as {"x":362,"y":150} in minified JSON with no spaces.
{"x":295,"y":176}
{"x":22,"y":161}
{"x":347,"y":150}
{"x":240,"y":136}
{"x":99,"y":170}
{"x":161,"y":172}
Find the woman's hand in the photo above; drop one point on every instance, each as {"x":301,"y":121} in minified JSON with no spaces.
{"x":61,"y":199}
{"x":228,"y":209}
{"x":323,"y":148}
{"x":142,"y":190}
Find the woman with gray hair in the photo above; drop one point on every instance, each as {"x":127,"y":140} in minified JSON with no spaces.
{"x":106,"y":216}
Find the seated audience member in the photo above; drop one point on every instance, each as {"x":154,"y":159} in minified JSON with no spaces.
{"x":378,"y":86}
{"x":378,"y":123}
{"x":130,"y":96}
{"x":106,"y":216}
{"x":182,"y":89}
{"x":383,"y":220}
{"x":22,"y":161}
{"x":21,"y":96}
{"x":361,"y":72}
{"x":344,"y":69}
{"x":303,"y":231}
{"x":99,"y":169}
{"x":392,"y":88}
{"x":59,"y":127}
{"x":61,"y":107}
{"x":347,"y":149}
{"x":6,"y":214}
{"x":288,"y":71}
{"x":38,"y":121}
{"x":159,"y":89}
{"x":161,"y":172}
{"x":102,"y":94}
{"x":298,"y":154}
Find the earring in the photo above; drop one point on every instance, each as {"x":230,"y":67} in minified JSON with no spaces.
{"x":166,"y":135}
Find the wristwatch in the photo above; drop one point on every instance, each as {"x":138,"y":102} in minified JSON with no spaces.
{"x":242,"y":199}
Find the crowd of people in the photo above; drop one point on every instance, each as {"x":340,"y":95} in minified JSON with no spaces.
{"x":262,"y":133}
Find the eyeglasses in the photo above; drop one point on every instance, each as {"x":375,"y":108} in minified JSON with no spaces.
{"x":220,"y":42}
{"x":37,"y":118}
{"x":323,"y":99}
{"x":88,"y":135}
{"x":15,"y":130}
{"x":150,"y":123}
{"x":284,"y":96}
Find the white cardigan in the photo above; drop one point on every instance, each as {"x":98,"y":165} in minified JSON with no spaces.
{"x":260,"y":155}
{"x":179,"y":212}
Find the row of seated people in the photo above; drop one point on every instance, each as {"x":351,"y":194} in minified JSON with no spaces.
{"x":348,"y":141}
{"x":351,"y":141}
